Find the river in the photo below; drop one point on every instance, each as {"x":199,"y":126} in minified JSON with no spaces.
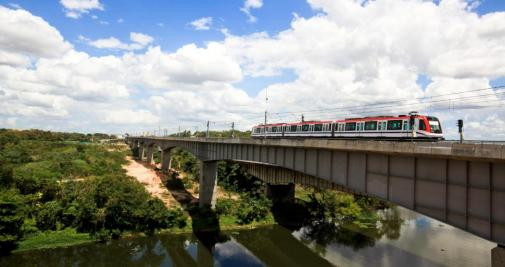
{"x":411,"y":240}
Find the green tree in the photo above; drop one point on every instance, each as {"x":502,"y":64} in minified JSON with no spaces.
{"x":11,"y":219}
{"x":49,"y":215}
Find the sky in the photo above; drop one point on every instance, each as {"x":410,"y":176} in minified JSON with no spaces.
{"x":130,"y":66}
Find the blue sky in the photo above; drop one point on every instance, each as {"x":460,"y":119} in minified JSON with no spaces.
{"x":175,"y":15}
{"x":168,"y":22}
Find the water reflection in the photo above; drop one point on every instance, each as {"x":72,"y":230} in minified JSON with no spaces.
{"x":418,"y":241}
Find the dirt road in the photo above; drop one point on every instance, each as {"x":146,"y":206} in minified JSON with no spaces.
{"x":152,"y":182}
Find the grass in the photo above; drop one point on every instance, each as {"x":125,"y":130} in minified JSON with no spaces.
{"x":52,"y":239}
{"x":303,"y":192}
{"x":229,"y":222}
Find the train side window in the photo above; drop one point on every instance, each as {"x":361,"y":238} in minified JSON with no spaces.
{"x":350,"y":126}
{"x":274,"y":129}
{"x":318,"y":127}
{"x":395,"y":125}
{"x":305,"y":128}
{"x":405,"y":125}
{"x":293,"y":128}
{"x":370,"y":126}
{"x":422,"y":125}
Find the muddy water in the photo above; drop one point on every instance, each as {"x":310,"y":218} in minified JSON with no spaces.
{"x":416,"y":241}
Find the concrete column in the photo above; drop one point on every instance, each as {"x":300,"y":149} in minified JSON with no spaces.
{"x":281,"y":193}
{"x":142,"y":151}
{"x":208,"y":181}
{"x":165,"y":160}
{"x":498,"y":256}
{"x":150,"y":151}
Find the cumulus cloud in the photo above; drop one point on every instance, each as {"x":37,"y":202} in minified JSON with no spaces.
{"x":23,"y":36}
{"x":202,"y":24}
{"x":75,"y":8}
{"x":351,"y":54}
{"x":130,"y":117}
{"x":251,"y":4}
{"x":139,"y":41}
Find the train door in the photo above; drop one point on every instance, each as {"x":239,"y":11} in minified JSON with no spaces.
{"x":405,"y":129}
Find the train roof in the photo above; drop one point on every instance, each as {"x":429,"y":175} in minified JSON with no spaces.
{"x":370,"y":118}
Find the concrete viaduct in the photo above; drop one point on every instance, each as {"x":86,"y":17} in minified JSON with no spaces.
{"x":460,"y":184}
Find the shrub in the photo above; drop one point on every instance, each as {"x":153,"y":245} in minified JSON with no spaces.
{"x":233,"y":178}
{"x":157,"y":216}
{"x":48,"y":215}
{"x":225,"y":206}
{"x":252,"y":208}
{"x":11,"y":220}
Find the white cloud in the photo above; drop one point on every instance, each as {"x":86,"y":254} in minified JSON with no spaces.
{"x":15,"y":6}
{"x":120,"y":20}
{"x":139,"y":41}
{"x":353,"y":53}
{"x":140,"y":38}
{"x":75,"y":8}
{"x":131,"y":117}
{"x":251,"y":4}
{"x":202,"y":24}
{"x":24,"y":36}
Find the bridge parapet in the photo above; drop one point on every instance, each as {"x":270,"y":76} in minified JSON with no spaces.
{"x":476,"y":151}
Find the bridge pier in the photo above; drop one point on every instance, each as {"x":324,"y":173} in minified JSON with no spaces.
{"x":150,"y":152}
{"x":141,"y":152}
{"x":166,"y":160}
{"x":498,"y":256}
{"x":208,"y":181}
{"x":281,"y":193}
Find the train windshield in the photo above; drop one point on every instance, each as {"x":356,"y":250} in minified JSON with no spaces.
{"x":434,"y":125}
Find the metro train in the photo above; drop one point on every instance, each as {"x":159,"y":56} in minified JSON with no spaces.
{"x":411,"y":126}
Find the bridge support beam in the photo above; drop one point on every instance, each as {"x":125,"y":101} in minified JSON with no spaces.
{"x":281,"y":193}
{"x":498,"y":256}
{"x":141,"y":152}
{"x":150,"y":151}
{"x":208,"y":181}
{"x":165,"y":160}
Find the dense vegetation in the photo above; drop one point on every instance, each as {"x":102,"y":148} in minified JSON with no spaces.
{"x":49,"y":184}
{"x":252,"y":205}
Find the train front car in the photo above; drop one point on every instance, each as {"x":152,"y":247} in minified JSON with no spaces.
{"x":430,"y":128}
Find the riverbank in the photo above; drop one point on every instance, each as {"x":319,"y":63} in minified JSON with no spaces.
{"x":172,"y":197}
{"x":69,"y":237}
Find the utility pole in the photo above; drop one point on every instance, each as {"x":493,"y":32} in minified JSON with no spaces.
{"x":460,"y":130}
{"x":207,"y":135}
{"x":179,"y":131}
{"x":266,"y":111}
{"x":233,"y":130}
{"x":303,"y":118}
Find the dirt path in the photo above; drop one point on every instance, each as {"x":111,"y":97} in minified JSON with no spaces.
{"x":152,"y":182}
